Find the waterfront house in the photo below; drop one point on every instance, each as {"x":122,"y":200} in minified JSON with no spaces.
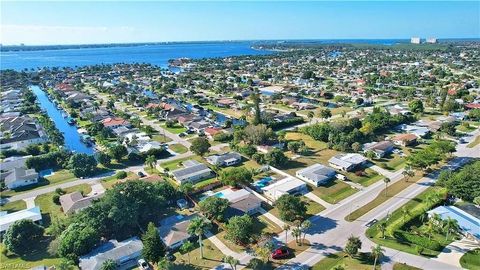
{"x":192,"y":172}
{"x":125,"y":254}
{"x":173,"y":230}
{"x":380,"y":149}
{"x":347,"y":162}
{"x":19,"y":132}
{"x":6,"y":220}
{"x":224,"y":160}
{"x":316,"y":174}
{"x":115,"y":122}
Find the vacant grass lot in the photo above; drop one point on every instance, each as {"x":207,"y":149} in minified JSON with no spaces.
{"x":362,"y":262}
{"x":392,"y":190}
{"x":333,"y":192}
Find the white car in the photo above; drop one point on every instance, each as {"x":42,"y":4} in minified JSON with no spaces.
{"x":143,"y":265}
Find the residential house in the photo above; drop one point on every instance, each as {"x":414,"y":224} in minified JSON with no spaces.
{"x":242,"y":202}
{"x":419,"y":131}
{"x":125,"y":254}
{"x":199,"y":126}
{"x":74,"y":202}
{"x":32,"y":214}
{"x":115,"y":122}
{"x":20,"y":177}
{"x":193,"y":172}
{"x":347,"y":162}
{"x":289,"y":185}
{"x":405,"y":139}
{"x":19,"y":132}
{"x":224,"y":160}
{"x":380,"y":149}
{"x":316,"y":174}
{"x":226,"y":102}
{"x":174,"y":230}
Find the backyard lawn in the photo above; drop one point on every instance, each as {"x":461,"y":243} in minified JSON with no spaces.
{"x":363,"y":261}
{"x":212,"y":257}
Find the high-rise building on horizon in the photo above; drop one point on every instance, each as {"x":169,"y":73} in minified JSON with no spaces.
{"x":432,"y":40}
{"x":415,"y":40}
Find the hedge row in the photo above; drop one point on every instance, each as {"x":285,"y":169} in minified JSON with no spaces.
{"x":418,"y":240}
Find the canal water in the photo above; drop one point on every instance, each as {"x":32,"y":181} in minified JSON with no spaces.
{"x":73,"y":140}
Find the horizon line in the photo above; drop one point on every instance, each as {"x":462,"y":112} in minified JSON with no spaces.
{"x":232,"y":40}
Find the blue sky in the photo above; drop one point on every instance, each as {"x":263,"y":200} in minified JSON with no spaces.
{"x":105,"y":22}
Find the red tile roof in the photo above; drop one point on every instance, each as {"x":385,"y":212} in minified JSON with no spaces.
{"x":114,"y":121}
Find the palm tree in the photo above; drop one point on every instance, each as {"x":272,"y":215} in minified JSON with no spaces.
{"x":286,"y":227}
{"x":377,"y":253}
{"x":186,"y":248}
{"x":405,"y":213}
{"x":383,"y":227}
{"x":307,"y":224}
{"x":296,"y":232}
{"x":450,"y":225}
{"x":199,"y":226}
{"x":408,"y":172}
{"x":150,"y":161}
{"x":264,"y":253}
{"x":186,"y":188}
{"x":386,"y":180}
{"x":232,"y":261}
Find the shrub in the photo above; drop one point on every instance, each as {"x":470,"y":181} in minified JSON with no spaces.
{"x":56,"y":199}
{"x":418,"y":240}
{"x":223,"y":137}
{"x":121,"y":175}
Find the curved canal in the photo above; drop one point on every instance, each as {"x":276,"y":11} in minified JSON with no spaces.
{"x":73,"y":140}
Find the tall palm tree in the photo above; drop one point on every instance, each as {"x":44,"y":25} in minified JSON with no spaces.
{"x":296,"y":232}
{"x":450,"y":225}
{"x":307,"y":224}
{"x":150,"y":161}
{"x":231,"y":261}
{"x":383,"y":227}
{"x":199,"y":226}
{"x":286,"y":228}
{"x":386,"y":180}
{"x":377,"y":253}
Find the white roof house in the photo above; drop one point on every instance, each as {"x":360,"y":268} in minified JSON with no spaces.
{"x":6,"y":220}
{"x":289,"y":185}
{"x":226,"y":159}
{"x":347,"y":162}
{"x":125,"y":254}
{"x":316,"y":174}
{"x":193,"y":172}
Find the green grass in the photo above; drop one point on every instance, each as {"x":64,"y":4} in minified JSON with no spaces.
{"x":205,"y":183}
{"x":471,"y":259}
{"x":37,"y":257}
{"x":333,"y":192}
{"x":362,"y":262}
{"x":176,"y":129}
{"x":14,"y":206}
{"x":366,"y":180}
{"x":178,"y":148}
{"x":392,"y":190}
{"x":392,"y":163}
{"x":313,"y":208}
{"x":110,"y":181}
{"x":161,"y":138}
{"x":212,"y":257}
{"x":396,"y":221}
{"x":402,"y":266}
{"x":176,"y":164}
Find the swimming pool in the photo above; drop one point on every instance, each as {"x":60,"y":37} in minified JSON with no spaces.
{"x":263,"y":182}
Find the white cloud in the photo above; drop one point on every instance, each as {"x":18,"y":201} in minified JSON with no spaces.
{"x":41,"y":34}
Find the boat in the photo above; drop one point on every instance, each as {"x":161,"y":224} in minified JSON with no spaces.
{"x":71,"y":121}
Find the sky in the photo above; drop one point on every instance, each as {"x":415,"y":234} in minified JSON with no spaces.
{"x":39,"y":23}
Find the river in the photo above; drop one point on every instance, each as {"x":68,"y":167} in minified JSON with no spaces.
{"x":73,"y":140}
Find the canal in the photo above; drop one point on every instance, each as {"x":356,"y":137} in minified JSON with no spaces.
{"x":73,"y":140}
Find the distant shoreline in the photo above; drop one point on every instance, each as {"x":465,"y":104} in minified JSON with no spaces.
{"x":10,"y":48}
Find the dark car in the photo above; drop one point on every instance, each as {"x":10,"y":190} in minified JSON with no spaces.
{"x":370,"y":223}
{"x":169,"y":256}
{"x":141,"y":174}
{"x":280,"y":253}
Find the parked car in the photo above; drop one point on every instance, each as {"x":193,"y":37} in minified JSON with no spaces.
{"x":141,"y":174}
{"x":370,"y":223}
{"x":183,"y":134}
{"x":182,"y":203}
{"x":169,"y":256}
{"x":142,"y":264}
{"x":280,"y":253}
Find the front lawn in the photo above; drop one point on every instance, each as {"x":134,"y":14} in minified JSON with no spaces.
{"x":14,"y":206}
{"x":393,"y":163}
{"x":177,"y":163}
{"x":362,"y":261}
{"x":176,"y":129}
{"x":366,"y":178}
{"x":333,"y":192}
{"x":471,"y":259}
{"x":313,"y":208}
{"x":212,"y":257}
{"x":178,"y":148}
{"x":403,"y":266}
